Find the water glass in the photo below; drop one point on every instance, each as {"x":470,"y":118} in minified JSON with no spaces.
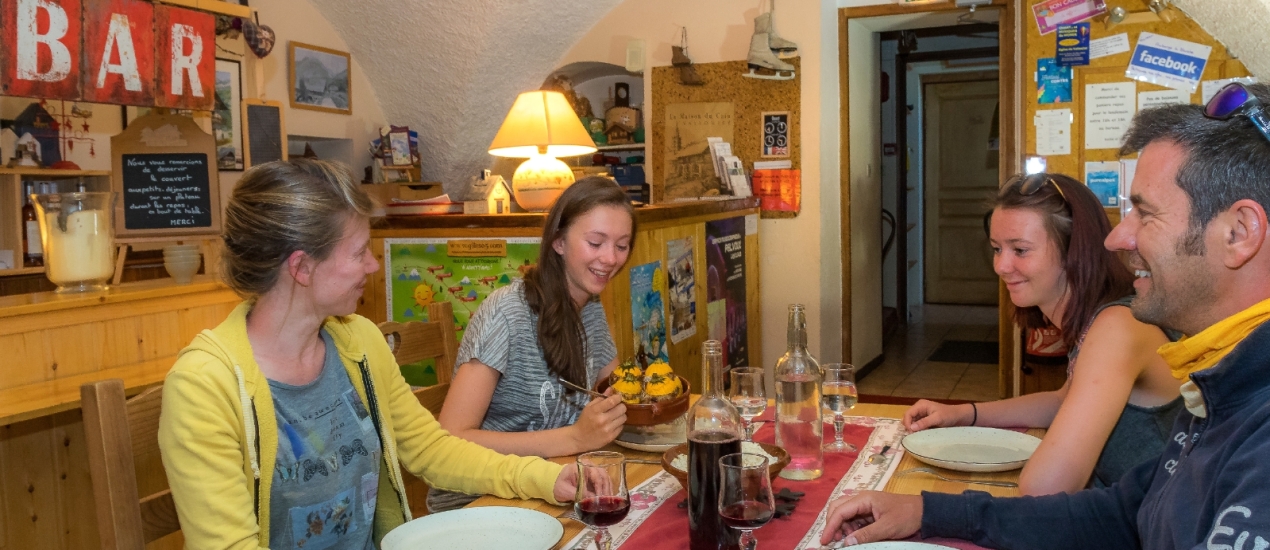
{"x":747,"y":393}
{"x":745,"y":494}
{"x":838,"y":395}
{"x":602,"y":498}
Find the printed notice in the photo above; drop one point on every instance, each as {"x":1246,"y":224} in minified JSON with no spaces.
{"x":1108,"y":110}
{"x":1103,"y":178}
{"x":1050,"y":14}
{"x":1160,"y":98}
{"x":1111,"y":45}
{"x":1166,"y":61}
{"x":1053,"y":132}
{"x":1211,"y":87}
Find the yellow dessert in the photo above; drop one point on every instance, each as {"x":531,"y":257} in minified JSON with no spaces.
{"x":660,"y":382}
{"x":627,"y":380}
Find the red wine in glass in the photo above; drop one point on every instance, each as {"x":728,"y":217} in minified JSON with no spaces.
{"x":604,"y":511}
{"x":750,"y":514}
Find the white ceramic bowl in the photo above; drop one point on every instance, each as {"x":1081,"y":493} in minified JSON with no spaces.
{"x":182,"y":271}
{"x":971,"y":448}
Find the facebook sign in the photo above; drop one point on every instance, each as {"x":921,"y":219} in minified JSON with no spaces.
{"x":1166,"y":61}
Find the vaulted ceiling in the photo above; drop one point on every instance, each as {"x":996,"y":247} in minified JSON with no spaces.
{"x":452,"y":69}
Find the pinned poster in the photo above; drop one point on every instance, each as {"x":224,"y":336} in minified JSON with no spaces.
{"x":1103,"y":178}
{"x":1160,"y":98}
{"x":647,"y":313}
{"x":1211,"y":87}
{"x":725,"y":288}
{"x":1050,"y":14}
{"x":1171,"y":62}
{"x":1108,"y":110}
{"x":1072,"y":44}
{"x":1053,"y":81}
{"x":683,"y":289}
{"x":1111,"y":45}
{"x":1053,"y":132}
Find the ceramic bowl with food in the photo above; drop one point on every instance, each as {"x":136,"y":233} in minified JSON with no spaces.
{"x":679,"y":468}
{"x":660,"y":412}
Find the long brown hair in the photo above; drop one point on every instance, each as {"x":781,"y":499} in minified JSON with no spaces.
{"x":560,"y":331}
{"x":1077,"y":225}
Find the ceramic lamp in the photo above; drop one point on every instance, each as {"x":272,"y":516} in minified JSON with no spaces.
{"x":541,"y":126}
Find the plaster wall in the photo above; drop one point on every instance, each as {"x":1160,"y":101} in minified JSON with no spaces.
{"x":1240,"y":25}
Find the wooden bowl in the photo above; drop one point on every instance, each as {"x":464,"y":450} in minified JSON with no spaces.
{"x":651,"y":414}
{"x":773,"y":467}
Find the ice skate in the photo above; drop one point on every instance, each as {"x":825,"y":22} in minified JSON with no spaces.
{"x":679,"y":58}
{"x":783,"y":48}
{"x":761,"y":57}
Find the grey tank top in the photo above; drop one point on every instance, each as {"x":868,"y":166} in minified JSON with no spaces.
{"x":1141,"y":432}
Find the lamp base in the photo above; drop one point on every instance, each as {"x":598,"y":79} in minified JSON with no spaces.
{"x":539,"y":181}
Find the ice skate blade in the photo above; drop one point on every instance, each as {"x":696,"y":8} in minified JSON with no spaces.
{"x":777,"y":76}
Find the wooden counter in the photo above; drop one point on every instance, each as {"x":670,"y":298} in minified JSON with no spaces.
{"x":657,"y":224}
{"x":54,"y":343}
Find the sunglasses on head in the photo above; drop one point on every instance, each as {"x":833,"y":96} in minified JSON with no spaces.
{"x":1033,"y":183}
{"x":1235,"y":99}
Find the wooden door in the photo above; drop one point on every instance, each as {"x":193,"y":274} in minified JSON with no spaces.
{"x":960,"y":178}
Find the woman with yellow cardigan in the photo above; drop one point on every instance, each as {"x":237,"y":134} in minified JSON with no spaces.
{"x":286,"y":426}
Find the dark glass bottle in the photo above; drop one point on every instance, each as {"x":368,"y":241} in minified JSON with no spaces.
{"x":32,"y":249}
{"x":714,"y":430}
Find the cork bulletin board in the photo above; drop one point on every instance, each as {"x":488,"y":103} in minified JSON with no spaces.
{"x":1109,"y":69}
{"x":750,"y":99}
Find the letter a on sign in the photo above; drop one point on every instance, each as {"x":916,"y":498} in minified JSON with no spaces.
{"x":119,"y":52}
{"x":40,"y":56}
{"x":186,"y":58}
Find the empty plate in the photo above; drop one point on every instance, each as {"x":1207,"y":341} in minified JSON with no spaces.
{"x":484,"y":527}
{"x":971,"y":449}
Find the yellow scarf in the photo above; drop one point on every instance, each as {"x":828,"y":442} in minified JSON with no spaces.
{"x":1205,"y":349}
{"x":1196,"y":353}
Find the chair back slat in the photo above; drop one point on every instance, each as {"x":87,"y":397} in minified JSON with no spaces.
{"x":415,"y":341}
{"x":118,"y":431}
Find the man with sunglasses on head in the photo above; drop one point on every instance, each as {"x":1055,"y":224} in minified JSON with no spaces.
{"x":1197,"y":242}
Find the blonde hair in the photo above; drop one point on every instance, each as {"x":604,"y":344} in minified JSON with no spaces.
{"x":281,"y":207}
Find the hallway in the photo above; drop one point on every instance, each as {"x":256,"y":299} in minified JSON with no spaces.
{"x":907,"y":373}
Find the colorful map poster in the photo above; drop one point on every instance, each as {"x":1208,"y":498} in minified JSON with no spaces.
{"x":648,"y":317}
{"x":419,"y":272}
{"x":725,"y":284}
{"x":683,"y":289}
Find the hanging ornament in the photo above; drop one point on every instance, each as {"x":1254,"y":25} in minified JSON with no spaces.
{"x":92,"y":150}
{"x":260,"y":38}
{"x":70,"y":145}
{"x":85,"y":126}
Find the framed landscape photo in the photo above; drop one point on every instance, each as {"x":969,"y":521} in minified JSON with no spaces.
{"x":227,"y":124}
{"x":319,"y":78}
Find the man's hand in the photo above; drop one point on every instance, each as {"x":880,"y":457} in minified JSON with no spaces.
{"x":872,"y":516}
{"x":600,"y":423}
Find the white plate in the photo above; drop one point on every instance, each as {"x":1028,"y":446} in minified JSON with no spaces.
{"x":901,"y":545}
{"x":971,"y":449}
{"x":484,"y":527}
{"x":648,"y":448}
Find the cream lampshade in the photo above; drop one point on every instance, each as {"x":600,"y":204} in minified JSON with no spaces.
{"x":541,"y":126}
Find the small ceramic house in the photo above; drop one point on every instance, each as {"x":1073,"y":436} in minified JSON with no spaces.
{"x":485,"y":194}
{"x":620,"y":124}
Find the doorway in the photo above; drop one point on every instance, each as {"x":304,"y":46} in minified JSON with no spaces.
{"x":939,"y":230}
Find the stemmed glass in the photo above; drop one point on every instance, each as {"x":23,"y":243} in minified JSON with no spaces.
{"x":838,"y":395}
{"x":602,"y":499}
{"x":745,"y":494}
{"x":746,"y":392}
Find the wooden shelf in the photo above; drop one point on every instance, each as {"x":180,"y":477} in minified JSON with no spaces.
{"x":214,"y":6}
{"x":49,"y":172}
{"x":624,"y":147}
{"x":21,"y":271}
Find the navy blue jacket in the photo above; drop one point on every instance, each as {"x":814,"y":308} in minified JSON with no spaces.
{"x":1210,"y":489}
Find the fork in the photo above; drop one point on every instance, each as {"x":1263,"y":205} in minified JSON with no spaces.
{"x":941,"y":476}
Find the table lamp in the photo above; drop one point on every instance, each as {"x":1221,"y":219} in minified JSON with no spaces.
{"x":541,"y":126}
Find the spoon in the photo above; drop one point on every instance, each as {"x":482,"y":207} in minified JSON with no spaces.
{"x":879,"y":457}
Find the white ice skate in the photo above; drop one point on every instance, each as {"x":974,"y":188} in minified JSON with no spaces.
{"x":761,"y":57}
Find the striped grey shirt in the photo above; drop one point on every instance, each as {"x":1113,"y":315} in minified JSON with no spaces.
{"x":503,"y":334}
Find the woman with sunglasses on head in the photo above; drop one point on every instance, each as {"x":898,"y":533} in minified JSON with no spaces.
{"x":531,"y":336}
{"x":1119,"y":401}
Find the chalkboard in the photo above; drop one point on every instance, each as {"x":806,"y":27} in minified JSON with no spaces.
{"x":166,"y":191}
{"x":265,"y":132}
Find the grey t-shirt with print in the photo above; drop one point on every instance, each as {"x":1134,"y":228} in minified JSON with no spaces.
{"x":326,"y":477}
{"x":503,"y":334}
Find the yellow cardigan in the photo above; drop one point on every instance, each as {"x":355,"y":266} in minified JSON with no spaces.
{"x":220,"y":461}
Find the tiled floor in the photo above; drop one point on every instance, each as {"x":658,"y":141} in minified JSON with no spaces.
{"x":905,"y":372}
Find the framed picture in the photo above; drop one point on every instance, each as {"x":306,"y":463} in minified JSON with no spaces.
{"x":227,"y":124}
{"x":775,"y":134}
{"x":319,"y":79}
{"x":400,"y":145}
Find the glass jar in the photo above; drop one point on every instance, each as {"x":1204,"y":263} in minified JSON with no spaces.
{"x":77,"y":232}
{"x":798,"y":422}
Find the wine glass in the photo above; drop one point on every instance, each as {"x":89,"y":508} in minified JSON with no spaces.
{"x":746,"y":392}
{"x":745,"y":494}
{"x":602,"y":499}
{"x":838,"y":395}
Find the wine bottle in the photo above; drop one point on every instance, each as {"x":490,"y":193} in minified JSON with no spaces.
{"x":32,"y":249}
{"x":714,"y":430}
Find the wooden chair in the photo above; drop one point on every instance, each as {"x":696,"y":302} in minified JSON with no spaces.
{"x":119,"y":430}
{"x":415,"y":341}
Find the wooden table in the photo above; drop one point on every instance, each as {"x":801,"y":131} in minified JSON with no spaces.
{"x":910,"y":484}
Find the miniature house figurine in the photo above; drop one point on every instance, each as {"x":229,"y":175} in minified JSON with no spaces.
{"x":620,"y":125}
{"x":485,"y":194}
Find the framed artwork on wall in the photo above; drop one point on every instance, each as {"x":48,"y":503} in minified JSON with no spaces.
{"x":227,"y":124}
{"x":319,"y":78}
